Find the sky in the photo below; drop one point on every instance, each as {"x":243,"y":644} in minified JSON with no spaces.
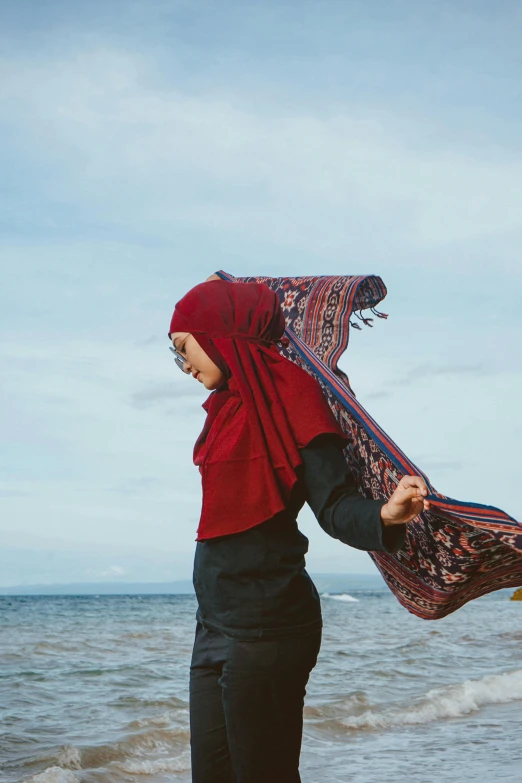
{"x":146,"y":144}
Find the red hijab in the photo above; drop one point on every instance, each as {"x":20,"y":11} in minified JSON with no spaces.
{"x":257,"y":421}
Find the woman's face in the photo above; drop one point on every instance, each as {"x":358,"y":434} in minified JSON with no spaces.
{"x":197,"y":362}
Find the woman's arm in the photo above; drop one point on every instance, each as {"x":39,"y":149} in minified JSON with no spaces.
{"x":339,"y":508}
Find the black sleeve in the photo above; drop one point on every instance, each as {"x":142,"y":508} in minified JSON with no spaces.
{"x":341,"y":511}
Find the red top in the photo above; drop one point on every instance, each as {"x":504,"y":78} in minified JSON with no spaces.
{"x":267,"y":409}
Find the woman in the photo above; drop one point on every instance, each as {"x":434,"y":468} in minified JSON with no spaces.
{"x":270,"y":442}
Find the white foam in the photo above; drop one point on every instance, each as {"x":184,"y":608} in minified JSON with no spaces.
{"x":341,"y":597}
{"x":451,"y":701}
{"x":163,"y":719}
{"x":154,"y":766}
{"x":54,"y":775}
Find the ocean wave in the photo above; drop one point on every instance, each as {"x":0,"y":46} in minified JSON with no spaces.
{"x":138,"y":703}
{"x":339,"y":597}
{"x":70,"y":757}
{"x":154,"y":766}
{"x":168,"y":719}
{"x":450,"y":701}
{"x":353,"y":702}
{"x":151,"y":740}
{"x":54,"y":775}
{"x":58,"y":646}
{"x":129,"y":754}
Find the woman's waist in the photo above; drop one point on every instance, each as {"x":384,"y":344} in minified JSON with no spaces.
{"x":274,"y":547}
{"x":270,"y":600}
{"x":252,"y":632}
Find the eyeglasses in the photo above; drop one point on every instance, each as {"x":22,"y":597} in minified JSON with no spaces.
{"x":178,"y":358}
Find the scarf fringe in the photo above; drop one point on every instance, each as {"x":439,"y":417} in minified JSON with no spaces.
{"x":366,"y":321}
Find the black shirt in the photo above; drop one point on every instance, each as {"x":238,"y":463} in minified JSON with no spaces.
{"x":253,"y":584}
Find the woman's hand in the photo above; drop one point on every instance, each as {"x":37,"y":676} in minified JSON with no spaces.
{"x":406,"y":502}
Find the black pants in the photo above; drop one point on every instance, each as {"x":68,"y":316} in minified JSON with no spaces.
{"x":246,"y":707}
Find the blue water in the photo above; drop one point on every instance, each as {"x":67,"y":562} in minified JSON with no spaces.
{"x":96,"y":689}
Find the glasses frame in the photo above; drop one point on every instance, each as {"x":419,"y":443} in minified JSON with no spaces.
{"x":178,"y":358}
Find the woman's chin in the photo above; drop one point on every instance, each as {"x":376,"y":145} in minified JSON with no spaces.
{"x":209,"y":383}
{"x":212,"y":381}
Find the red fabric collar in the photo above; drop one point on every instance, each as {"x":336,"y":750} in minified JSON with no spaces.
{"x":268,"y":409}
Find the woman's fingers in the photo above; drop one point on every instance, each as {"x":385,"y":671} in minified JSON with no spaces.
{"x":412,"y":494}
{"x":408,"y":499}
{"x":416,"y":483}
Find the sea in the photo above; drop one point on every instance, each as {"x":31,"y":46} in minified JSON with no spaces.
{"x":94,"y":688}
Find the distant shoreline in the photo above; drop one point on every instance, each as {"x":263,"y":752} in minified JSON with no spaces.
{"x":324,"y":582}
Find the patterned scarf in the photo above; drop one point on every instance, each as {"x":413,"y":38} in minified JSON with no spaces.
{"x":453,"y":553}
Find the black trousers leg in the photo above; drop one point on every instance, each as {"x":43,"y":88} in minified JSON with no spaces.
{"x":210,"y":756}
{"x":247,"y":707}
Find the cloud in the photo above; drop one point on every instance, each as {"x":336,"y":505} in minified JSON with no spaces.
{"x":114,"y":570}
{"x":380,"y":395}
{"x":89,"y":463}
{"x":422,"y":371}
{"x":427,"y":371}
{"x":131,"y":150}
{"x":164,"y":392}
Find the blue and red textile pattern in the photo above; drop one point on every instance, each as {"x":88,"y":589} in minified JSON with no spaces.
{"x":453,"y":553}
